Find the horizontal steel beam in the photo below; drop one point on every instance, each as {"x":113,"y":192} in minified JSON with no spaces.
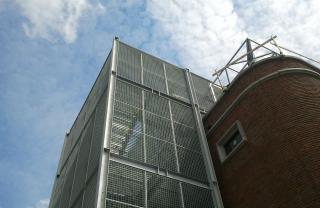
{"x":156,"y":170}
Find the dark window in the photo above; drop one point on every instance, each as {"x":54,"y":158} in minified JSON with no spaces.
{"x":232,"y":142}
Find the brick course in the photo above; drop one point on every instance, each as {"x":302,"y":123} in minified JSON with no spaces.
{"x":279,"y":164}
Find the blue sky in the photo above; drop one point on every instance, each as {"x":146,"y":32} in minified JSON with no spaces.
{"x":52,"y":51}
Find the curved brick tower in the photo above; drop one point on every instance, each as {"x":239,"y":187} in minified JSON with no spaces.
{"x":264,"y":136}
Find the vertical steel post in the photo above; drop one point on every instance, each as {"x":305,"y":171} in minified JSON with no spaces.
{"x":204,"y":144}
{"x":105,"y":150}
{"x":144,"y":137}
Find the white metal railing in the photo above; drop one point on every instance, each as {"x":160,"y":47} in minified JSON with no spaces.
{"x":251,"y":51}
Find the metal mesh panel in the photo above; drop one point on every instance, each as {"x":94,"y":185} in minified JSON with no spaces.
{"x":161,"y":153}
{"x":203,"y":93}
{"x":127,"y":138}
{"x":97,"y":135}
{"x":177,"y":82}
{"x":183,"y":114}
{"x":125,"y":184}
{"x":90,"y":192}
{"x":127,"y":126}
{"x":153,"y":73}
{"x":81,"y":169}
{"x":192,"y":164}
{"x":78,"y":202}
{"x":187,"y":137}
{"x":128,"y":94}
{"x":196,"y":197}
{"x":158,"y":127}
{"x":65,"y":197}
{"x":129,"y":63}
{"x":56,"y":195}
{"x":89,"y":105}
{"x":66,"y":151}
{"x":156,"y":104}
{"x":162,"y":192}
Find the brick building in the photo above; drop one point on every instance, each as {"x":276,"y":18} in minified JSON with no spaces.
{"x":263,"y":135}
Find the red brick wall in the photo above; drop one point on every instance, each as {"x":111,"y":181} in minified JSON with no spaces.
{"x":279,"y":164}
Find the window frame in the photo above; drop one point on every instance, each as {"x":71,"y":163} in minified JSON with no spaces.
{"x":220,"y":145}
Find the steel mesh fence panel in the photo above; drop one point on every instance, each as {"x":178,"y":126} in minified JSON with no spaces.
{"x":177,"y":83}
{"x":203,"y":92}
{"x":156,"y":104}
{"x":127,"y":132}
{"x":129,"y":63}
{"x":78,"y":202}
{"x":56,"y":196}
{"x":195,"y":196}
{"x":90,"y":191}
{"x":81,"y":169}
{"x":129,"y":94}
{"x":125,"y":185}
{"x":153,"y":73}
{"x":65,"y":196}
{"x":162,"y":192}
{"x":183,"y":114}
{"x":187,"y":137}
{"x":192,"y":164}
{"x":87,"y":109}
{"x":97,"y":135}
{"x":127,"y":126}
{"x":158,"y":127}
{"x":161,"y":153}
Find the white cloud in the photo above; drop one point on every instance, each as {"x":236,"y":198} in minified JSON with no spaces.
{"x":207,"y":33}
{"x":203,"y":31}
{"x":46,"y":19}
{"x":43,"y":203}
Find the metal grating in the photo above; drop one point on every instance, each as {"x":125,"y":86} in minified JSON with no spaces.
{"x":128,"y":134}
{"x":177,"y":83}
{"x":97,"y":135}
{"x":192,"y":164}
{"x":65,"y":196}
{"x":156,"y":104}
{"x":125,"y":185}
{"x":158,"y":127}
{"x":196,"y":197}
{"x":57,"y":191}
{"x":183,"y":114}
{"x":153,"y":73}
{"x":128,"y":94}
{"x":129,"y":63}
{"x":127,"y":129}
{"x":203,"y":92}
{"x":162,"y":192}
{"x":78,"y":202}
{"x":81,"y":169}
{"x":90,"y":192}
{"x":187,"y":137}
{"x":161,"y":153}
